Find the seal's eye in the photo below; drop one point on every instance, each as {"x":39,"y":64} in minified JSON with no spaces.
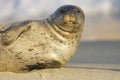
{"x":62,"y":11}
{"x":76,"y":11}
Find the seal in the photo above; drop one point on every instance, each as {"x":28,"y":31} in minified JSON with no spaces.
{"x":40,"y":44}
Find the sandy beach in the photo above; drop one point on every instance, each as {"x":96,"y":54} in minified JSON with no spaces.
{"x":63,"y":74}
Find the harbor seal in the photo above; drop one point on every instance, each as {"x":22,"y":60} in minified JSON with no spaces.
{"x":39,"y":44}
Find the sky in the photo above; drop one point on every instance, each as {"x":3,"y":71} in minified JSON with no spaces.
{"x":97,"y":12}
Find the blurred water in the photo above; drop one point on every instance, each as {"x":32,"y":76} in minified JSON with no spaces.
{"x":106,"y":52}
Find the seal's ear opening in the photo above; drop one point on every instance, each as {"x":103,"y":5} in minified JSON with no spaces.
{"x":50,"y":20}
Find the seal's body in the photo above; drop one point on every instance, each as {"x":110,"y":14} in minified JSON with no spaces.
{"x":48,"y":43}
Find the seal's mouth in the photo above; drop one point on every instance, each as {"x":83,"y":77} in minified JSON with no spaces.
{"x":69,"y":27}
{"x":70,"y":22}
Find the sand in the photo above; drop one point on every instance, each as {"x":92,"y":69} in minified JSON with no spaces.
{"x":63,"y":74}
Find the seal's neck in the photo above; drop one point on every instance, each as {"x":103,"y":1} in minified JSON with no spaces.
{"x":61,"y":35}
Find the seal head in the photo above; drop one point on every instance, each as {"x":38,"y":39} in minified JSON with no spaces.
{"x":68,"y":18}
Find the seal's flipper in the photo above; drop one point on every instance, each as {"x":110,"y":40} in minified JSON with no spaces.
{"x":10,"y":34}
{"x":4,"y":27}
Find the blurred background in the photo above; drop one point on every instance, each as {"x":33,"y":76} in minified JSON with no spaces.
{"x":100,"y":42}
